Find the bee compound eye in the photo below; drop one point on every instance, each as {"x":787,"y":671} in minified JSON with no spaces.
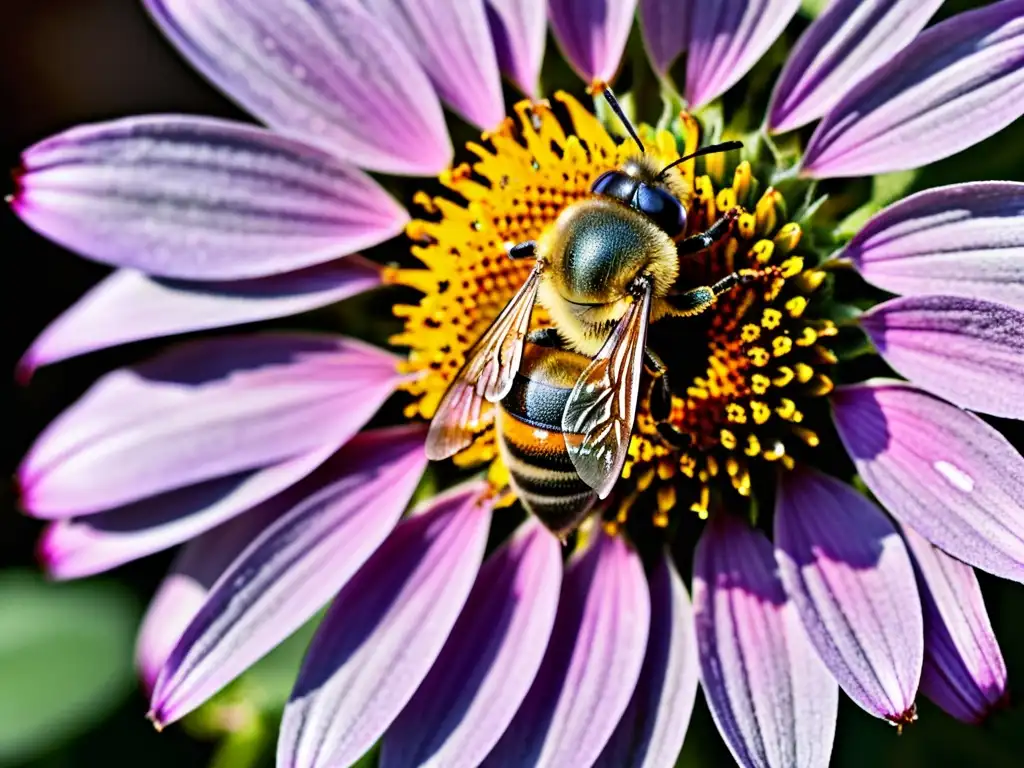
{"x":616,"y":184}
{"x":662,"y":207}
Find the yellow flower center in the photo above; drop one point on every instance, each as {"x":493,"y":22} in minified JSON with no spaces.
{"x":740,"y":372}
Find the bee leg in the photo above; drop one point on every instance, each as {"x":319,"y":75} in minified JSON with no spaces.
{"x":545,"y":337}
{"x":524,"y":250}
{"x":660,"y":402}
{"x":704,"y":240}
{"x":696,"y":300}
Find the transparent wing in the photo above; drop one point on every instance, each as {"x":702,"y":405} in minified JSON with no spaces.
{"x":599,"y":414}
{"x":488,"y":373}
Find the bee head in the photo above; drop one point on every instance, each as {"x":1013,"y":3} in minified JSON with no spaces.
{"x":646,"y":195}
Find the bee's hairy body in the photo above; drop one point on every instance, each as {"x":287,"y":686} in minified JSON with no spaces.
{"x":531,"y":441}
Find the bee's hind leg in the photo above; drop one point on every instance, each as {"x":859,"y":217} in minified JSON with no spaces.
{"x":660,"y":402}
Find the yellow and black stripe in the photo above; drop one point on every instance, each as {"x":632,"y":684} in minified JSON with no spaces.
{"x":531,"y":440}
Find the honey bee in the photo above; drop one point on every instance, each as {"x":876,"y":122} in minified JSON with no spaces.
{"x":567,"y":396}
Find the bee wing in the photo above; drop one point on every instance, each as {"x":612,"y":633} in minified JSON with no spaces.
{"x":599,"y":415}
{"x":488,"y":373}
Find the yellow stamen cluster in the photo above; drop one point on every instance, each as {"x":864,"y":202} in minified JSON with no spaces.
{"x":758,"y":356}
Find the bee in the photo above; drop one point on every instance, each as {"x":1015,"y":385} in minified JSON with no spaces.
{"x":567,"y":396}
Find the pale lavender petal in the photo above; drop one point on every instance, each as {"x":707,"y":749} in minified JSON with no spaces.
{"x":650,"y":733}
{"x":666,"y":29}
{"x":592,"y":34}
{"x":961,"y":240}
{"x":384,"y":632}
{"x":492,"y":656}
{"x":325,"y":529}
{"x":329,"y":71}
{"x":941,"y":470}
{"x":772,"y":699}
{"x":964,"y":672}
{"x":82,"y":546}
{"x":956,"y":84}
{"x":848,"y":41}
{"x":727,"y":38}
{"x":848,"y":573}
{"x":183,"y":591}
{"x":199,"y":199}
{"x":452,"y":41}
{"x":203,"y":410}
{"x":591,"y":666}
{"x":968,"y":351}
{"x":519,"y":30}
{"x":129,"y":306}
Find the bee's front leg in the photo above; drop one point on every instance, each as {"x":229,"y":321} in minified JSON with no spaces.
{"x":716,"y":232}
{"x":696,"y":300}
{"x":524,"y":250}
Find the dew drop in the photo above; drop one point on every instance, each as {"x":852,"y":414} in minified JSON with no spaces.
{"x":956,"y":476}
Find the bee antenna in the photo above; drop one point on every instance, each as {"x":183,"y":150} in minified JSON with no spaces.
{"x":614,"y":104}
{"x":725,"y":146}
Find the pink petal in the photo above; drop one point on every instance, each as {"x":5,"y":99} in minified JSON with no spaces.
{"x":848,"y":41}
{"x":452,"y":42}
{"x":383,"y":633}
{"x":846,"y":570}
{"x":772,"y":699}
{"x":129,"y":306}
{"x":592,"y":34}
{"x":964,"y":672}
{"x":183,"y":592}
{"x":727,"y":38}
{"x":591,"y":666}
{"x":324,"y":530}
{"x":650,"y":733}
{"x":82,"y":546}
{"x":956,"y":84}
{"x":199,"y":199}
{"x":666,"y":29}
{"x":961,"y":240}
{"x":203,"y":410}
{"x":492,"y":656}
{"x":938,"y":469}
{"x":519,"y":30}
{"x":967,"y":351}
{"x":330,"y":72}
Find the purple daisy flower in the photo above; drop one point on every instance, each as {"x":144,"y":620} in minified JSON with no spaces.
{"x":445,"y":643}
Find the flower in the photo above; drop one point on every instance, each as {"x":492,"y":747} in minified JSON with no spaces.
{"x":254,"y":449}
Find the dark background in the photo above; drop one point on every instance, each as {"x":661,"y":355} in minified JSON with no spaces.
{"x":64,"y":62}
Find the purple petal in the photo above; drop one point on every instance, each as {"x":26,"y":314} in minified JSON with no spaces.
{"x":846,"y":570}
{"x":941,"y":470}
{"x":849,"y":40}
{"x":968,"y":351}
{"x":203,"y":410}
{"x":519,"y":30}
{"x":592,"y":34}
{"x":129,"y":306}
{"x":665,"y":25}
{"x":961,"y":240}
{"x":492,"y":656}
{"x":330,"y":72}
{"x":199,"y":199}
{"x":591,"y":666}
{"x":650,"y":733}
{"x":324,"y":529}
{"x":183,"y":592}
{"x":772,"y":699}
{"x":383,"y":633}
{"x":956,"y":84}
{"x":964,"y":672}
{"x":727,"y":38}
{"x":452,"y":42}
{"x":83,"y":546}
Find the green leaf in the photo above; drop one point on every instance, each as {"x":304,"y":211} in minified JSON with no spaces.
{"x":65,"y":659}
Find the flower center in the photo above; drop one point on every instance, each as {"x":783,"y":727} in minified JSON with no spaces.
{"x":741,"y":374}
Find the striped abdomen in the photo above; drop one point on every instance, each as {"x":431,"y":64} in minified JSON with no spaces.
{"x":531,"y":441}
